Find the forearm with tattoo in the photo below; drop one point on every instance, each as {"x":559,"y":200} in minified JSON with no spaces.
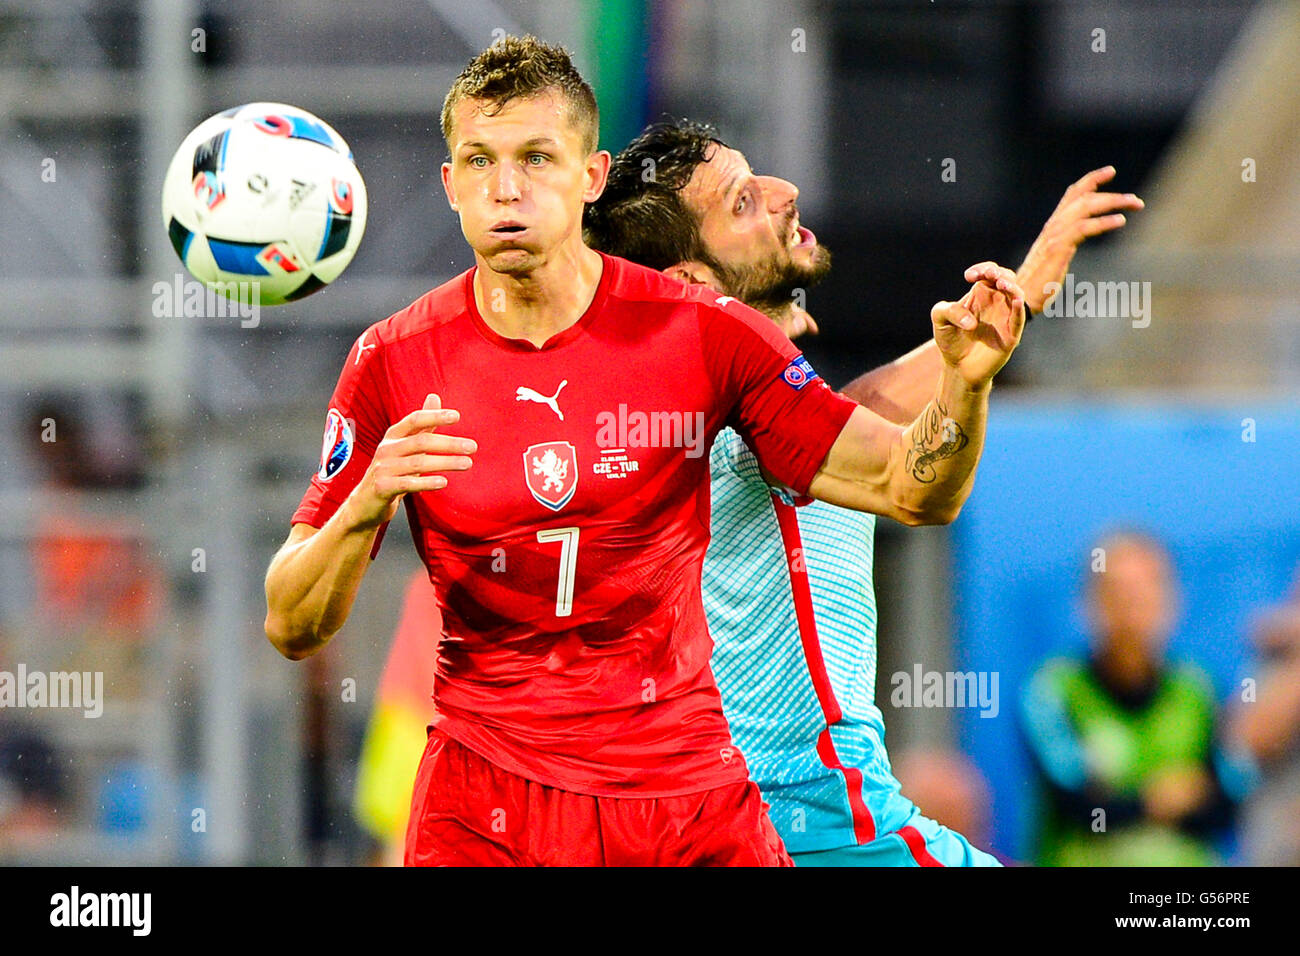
{"x":935,"y":437}
{"x":942,"y":446}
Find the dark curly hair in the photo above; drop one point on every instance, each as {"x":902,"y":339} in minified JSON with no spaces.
{"x":641,"y":215}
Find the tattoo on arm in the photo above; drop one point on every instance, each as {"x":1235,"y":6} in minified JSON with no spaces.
{"x":934,"y":425}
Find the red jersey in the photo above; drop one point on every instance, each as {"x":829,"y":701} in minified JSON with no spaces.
{"x":567,"y":560}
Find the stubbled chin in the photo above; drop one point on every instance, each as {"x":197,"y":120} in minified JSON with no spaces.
{"x":804,"y":254}
{"x":816,"y":260}
{"x":512,"y":261}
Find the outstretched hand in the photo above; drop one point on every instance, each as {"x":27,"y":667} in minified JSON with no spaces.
{"x":1082,"y":213}
{"x":977,"y":334}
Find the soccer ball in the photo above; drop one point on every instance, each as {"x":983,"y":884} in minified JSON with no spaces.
{"x":263,"y":203}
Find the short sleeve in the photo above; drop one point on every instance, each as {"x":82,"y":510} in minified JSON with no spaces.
{"x":355,"y":423}
{"x":784,"y":410}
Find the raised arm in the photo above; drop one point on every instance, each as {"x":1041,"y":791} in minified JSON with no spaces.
{"x":922,"y":473}
{"x":313,"y":579}
{"x":899,"y":390}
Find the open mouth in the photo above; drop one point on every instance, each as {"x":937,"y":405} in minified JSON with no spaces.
{"x":508,"y":229}
{"x":802,"y":238}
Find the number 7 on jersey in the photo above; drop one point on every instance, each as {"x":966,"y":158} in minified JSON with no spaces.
{"x":568,"y":538}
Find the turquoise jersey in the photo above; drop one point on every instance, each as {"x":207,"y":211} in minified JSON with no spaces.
{"x":795,"y":655}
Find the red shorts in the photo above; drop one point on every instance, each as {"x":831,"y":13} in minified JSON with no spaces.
{"x":466,"y":811}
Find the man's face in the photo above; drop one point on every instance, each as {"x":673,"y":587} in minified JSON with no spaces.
{"x":750,"y":225}
{"x":1133,"y":604}
{"x":519,"y":179}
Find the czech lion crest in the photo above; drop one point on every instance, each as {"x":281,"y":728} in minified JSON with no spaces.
{"x":551,"y":472}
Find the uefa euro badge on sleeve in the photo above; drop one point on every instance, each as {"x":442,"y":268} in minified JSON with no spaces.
{"x":336,"y":449}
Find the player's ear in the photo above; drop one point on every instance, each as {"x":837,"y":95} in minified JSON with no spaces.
{"x":447,"y":188}
{"x":597,"y":174}
{"x":695,"y":273}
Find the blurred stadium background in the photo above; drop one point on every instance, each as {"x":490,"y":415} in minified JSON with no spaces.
{"x":135,"y":544}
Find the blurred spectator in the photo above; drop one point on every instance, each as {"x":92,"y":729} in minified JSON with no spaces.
{"x":88,"y":446}
{"x":950,"y":788}
{"x":397,"y":730}
{"x":1268,"y":727}
{"x":97,"y":590}
{"x":33,"y":789}
{"x":1123,"y":739}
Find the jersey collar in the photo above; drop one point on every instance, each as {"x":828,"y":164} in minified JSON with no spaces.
{"x":559,"y":339}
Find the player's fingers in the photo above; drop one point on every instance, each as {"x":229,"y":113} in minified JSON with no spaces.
{"x":982,"y":270}
{"x":429,"y":443}
{"x":1095,"y":227}
{"x":1091,"y":180}
{"x":392,"y":485}
{"x":423,"y":419}
{"x":988,"y":298}
{"x":1087,"y":205}
{"x":798,"y":326}
{"x":797,"y":322}
{"x":1087,"y":183}
{"x":1008,"y":286}
{"x":952,"y":313}
{"x":987,"y":280}
{"x":1001,"y":272}
{"x":429,"y":464}
{"x":1095,"y":204}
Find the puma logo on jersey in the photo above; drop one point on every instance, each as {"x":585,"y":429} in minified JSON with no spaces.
{"x":526,"y":394}
{"x":725,"y":299}
{"x":361,"y":347}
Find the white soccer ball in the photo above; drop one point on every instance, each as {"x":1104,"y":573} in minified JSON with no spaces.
{"x":263,"y":203}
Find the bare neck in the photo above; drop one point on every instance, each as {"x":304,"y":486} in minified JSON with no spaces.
{"x":543,"y":302}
